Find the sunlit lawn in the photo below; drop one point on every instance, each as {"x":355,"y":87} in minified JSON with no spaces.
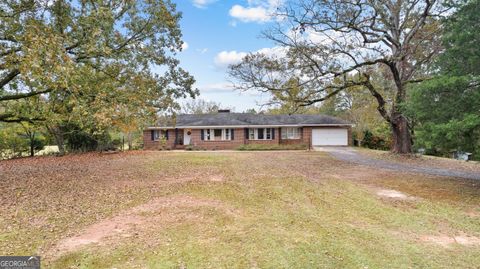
{"x":236,"y":210}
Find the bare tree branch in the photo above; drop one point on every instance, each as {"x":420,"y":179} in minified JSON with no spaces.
{"x":23,"y":95}
{"x":9,"y":77}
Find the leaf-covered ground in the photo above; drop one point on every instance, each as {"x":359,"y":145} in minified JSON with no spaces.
{"x":234,"y":210}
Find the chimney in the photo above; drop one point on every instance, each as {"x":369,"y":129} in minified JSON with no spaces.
{"x":224,"y":111}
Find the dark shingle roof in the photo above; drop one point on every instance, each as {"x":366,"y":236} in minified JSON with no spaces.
{"x":247,"y":119}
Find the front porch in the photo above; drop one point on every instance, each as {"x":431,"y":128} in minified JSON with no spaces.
{"x":182,"y":138}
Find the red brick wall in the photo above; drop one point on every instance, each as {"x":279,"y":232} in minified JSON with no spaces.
{"x":149,"y":144}
{"x":239,"y":139}
{"x":305,"y":134}
{"x":276,"y":140}
{"x":350,"y":138}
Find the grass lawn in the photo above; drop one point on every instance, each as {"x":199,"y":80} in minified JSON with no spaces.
{"x":233,"y":210}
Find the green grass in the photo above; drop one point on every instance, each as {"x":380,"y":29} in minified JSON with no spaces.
{"x":291,"y":223}
{"x":270,"y":213}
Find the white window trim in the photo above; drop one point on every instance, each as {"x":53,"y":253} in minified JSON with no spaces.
{"x":255,"y":134}
{"x":157,"y":135}
{"x":226,"y":134}
{"x":251,"y":132}
{"x":290,"y":133}
{"x":209,"y":134}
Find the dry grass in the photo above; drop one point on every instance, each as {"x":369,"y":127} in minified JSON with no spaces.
{"x":233,"y":209}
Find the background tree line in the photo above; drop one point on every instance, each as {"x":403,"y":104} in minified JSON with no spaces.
{"x":78,"y":74}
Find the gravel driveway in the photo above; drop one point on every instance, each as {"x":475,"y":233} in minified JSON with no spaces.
{"x":351,"y":155}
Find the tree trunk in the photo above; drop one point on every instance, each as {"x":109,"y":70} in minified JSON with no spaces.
{"x":402,"y":139}
{"x":32,"y":150}
{"x":58,"y":135}
{"x":60,"y":143}
{"x":32,"y":143}
{"x":129,"y":139}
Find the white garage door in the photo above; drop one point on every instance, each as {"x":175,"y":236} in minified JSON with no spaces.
{"x":330,"y":137}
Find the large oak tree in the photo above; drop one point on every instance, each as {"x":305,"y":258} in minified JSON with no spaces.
{"x":94,"y":58}
{"x":333,"y":45}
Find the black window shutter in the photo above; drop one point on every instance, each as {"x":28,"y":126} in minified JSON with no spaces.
{"x":201,"y":135}
{"x":166,"y":134}
{"x":246,"y":133}
{"x":152,"y":132}
{"x":273,"y":133}
{"x":232,"y":134}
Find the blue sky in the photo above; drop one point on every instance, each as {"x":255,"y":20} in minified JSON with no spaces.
{"x":218,"y":33}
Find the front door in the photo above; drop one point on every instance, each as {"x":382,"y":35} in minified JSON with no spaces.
{"x":186,"y":136}
{"x":179,"y":137}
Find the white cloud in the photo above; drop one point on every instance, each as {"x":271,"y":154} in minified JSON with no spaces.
{"x":249,"y":14}
{"x":202,"y":51}
{"x":220,"y":87}
{"x":203,"y":3}
{"x":226,"y":58}
{"x":184,"y":46}
{"x":256,"y":11}
{"x":273,"y":52}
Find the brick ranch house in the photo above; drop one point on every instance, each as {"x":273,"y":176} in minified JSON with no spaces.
{"x":226,"y":130}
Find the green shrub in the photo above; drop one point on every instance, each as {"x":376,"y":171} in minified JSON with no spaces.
{"x":273,"y":147}
{"x":193,"y":148}
{"x":80,"y":140}
{"x":372,"y":141}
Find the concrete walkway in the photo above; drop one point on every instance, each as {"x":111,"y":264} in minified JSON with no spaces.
{"x":351,"y":155}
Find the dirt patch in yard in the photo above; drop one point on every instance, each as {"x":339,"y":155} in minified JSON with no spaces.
{"x":393,"y":194}
{"x":217,"y":178}
{"x":473,"y":214}
{"x":156,"y":212}
{"x":448,"y":241}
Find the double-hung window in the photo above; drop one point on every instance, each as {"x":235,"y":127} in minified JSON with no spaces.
{"x":157,"y":134}
{"x":291,"y":133}
{"x":217,"y":134}
{"x":260,"y":134}
{"x":207,"y":134}
{"x":251,"y":134}
{"x":227,"y":135}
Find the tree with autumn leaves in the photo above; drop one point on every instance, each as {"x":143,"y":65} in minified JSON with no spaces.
{"x":331,"y":46}
{"x":89,"y":62}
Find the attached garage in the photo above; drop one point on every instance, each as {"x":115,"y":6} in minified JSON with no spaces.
{"x":330,"y":137}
